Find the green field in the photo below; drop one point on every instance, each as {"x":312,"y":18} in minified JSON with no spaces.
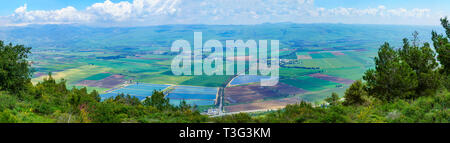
{"x":211,"y":81}
{"x":322,"y":55}
{"x":310,"y":83}
{"x":98,"y":76}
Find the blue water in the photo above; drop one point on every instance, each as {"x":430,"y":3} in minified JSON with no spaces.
{"x":108,"y":95}
{"x":194,"y":90}
{"x":191,"y":96}
{"x":192,"y":102}
{"x":141,"y":90}
{"x":246,"y":79}
{"x":145,"y":86}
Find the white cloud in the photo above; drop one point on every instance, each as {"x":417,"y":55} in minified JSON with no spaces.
{"x":410,"y":13}
{"x":137,"y":9}
{"x":65,"y":15}
{"x":379,"y":11}
{"x":109,"y":10}
{"x":156,"y":12}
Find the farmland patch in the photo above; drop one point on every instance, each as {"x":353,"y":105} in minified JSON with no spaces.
{"x":322,"y":55}
{"x":264,"y":105}
{"x":75,"y":74}
{"x":108,"y":82}
{"x":193,"y":95}
{"x":209,"y":81}
{"x":177,"y":102}
{"x":331,"y":78}
{"x":310,"y":83}
{"x":98,"y":76}
{"x":140,"y":90}
{"x":255,"y":92}
{"x":246,"y":79}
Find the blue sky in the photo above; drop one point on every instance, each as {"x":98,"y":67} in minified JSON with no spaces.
{"x":432,"y":4}
{"x":8,"y":6}
{"x":158,"y":12}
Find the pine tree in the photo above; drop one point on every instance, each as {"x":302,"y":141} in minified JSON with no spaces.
{"x":354,"y":95}
{"x":391,"y":78}
{"x":442,"y":45}
{"x":157,"y":100}
{"x":422,"y":60}
{"x":333,"y":99}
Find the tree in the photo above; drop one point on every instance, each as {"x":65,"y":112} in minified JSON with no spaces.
{"x":422,"y":60}
{"x":442,"y":46}
{"x":157,"y":100}
{"x":184,"y":106}
{"x":333,"y":100}
{"x":126,"y":99}
{"x":15,"y":73}
{"x":354,"y":95}
{"x":391,"y":78}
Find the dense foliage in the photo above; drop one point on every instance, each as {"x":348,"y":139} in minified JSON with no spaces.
{"x":13,"y":58}
{"x":442,"y":46}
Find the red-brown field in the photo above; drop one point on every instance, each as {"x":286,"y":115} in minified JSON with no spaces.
{"x":337,"y":53}
{"x":331,"y":78}
{"x":255,"y":92}
{"x":286,"y":89}
{"x":108,"y":82}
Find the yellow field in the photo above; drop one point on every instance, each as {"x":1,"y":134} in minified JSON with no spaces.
{"x":75,"y":74}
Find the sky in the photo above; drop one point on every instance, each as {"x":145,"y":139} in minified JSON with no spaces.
{"x":224,"y":12}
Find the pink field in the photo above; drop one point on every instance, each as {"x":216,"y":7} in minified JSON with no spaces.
{"x":337,"y":53}
{"x":108,"y":82}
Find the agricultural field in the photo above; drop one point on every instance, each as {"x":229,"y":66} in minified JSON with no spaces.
{"x":103,"y":81}
{"x":196,"y":102}
{"x":255,"y":92}
{"x":331,"y":78}
{"x":310,"y":83}
{"x":194,"y":95}
{"x":247,"y":79}
{"x":140,"y":90}
{"x":99,"y":76}
{"x":263,"y":105}
{"x":316,"y":60}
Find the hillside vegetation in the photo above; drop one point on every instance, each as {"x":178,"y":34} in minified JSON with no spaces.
{"x":407,"y":85}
